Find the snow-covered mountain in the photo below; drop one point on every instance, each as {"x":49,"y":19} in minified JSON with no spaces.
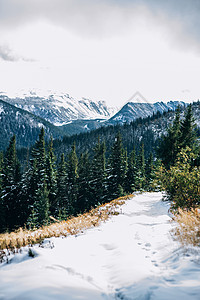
{"x":131,"y":111}
{"x":60,"y":109}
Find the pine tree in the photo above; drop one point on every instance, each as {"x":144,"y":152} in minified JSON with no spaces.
{"x":170,"y":144}
{"x":51,"y":177}
{"x":10,"y":183}
{"x":187,"y":128}
{"x":141,"y":168}
{"x":124,"y":168}
{"x":62,"y":190}
{"x":118,"y":165}
{"x":39,"y":181}
{"x":2,"y":207}
{"x":132,"y":173}
{"x":39,"y":156}
{"x":41,"y":205}
{"x":32,"y":220}
{"x":26,"y":196}
{"x":98,"y":173}
{"x":85,"y":180}
{"x":72,"y":171}
{"x":150,"y":173}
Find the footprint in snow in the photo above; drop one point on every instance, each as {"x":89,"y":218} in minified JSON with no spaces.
{"x":109,"y":246}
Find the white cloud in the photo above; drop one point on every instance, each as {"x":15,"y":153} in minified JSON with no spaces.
{"x":6,"y":54}
{"x":101,"y":49}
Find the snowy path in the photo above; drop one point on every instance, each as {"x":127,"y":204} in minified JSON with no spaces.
{"x":132,"y":256}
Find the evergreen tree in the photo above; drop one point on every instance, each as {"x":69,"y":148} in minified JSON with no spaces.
{"x":39,"y":157}
{"x":182,"y":181}
{"x":41,"y":205}
{"x":150,"y":173}
{"x":26,"y":196}
{"x":141,"y":168}
{"x":118,"y":165}
{"x":72,"y":171}
{"x":132,"y":173}
{"x":85,"y":193}
{"x":62,"y":190}
{"x":187,"y":128}
{"x":124,"y":168}
{"x":170,"y":144}
{"x":51,"y":177}
{"x":39,"y":181}
{"x":10,"y":182}
{"x":2,"y":207}
{"x":98,"y":173}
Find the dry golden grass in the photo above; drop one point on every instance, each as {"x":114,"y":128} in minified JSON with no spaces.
{"x":188,"y":229}
{"x":15,"y":240}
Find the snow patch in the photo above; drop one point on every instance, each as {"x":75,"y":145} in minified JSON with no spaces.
{"x":1,"y":109}
{"x":131,"y":256}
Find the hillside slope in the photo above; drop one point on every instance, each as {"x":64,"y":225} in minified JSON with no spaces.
{"x":147,"y":130}
{"x":24,"y":125}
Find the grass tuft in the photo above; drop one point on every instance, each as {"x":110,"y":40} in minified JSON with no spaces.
{"x":188,"y":229}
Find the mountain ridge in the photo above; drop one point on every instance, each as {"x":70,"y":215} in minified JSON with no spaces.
{"x":26,"y":126}
{"x":60,"y":109}
{"x":131,"y":111}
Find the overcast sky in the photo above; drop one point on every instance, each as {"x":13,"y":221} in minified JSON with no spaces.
{"x":104,"y":50}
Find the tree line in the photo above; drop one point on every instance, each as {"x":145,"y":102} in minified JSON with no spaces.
{"x":51,"y":187}
{"x":59,"y":188}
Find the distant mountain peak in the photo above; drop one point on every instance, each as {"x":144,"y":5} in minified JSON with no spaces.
{"x":134,"y":110}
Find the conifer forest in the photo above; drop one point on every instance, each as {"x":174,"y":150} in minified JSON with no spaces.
{"x":50,"y":187}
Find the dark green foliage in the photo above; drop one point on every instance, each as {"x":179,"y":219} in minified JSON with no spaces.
{"x":70,"y":187}
{"x":118,"y":167}
{"x":2,"y":207}
{"x":132,"y":173}
{"x":179,"y":153}
{"x":131,"y":136}
{"x":10,"y":183}
{"x":182,"y":181}
{"x":31,"y":253}
{"x":72,"y":172}
{"x":38,"y":182}
{"x":85,"y":198}
{"x":170,"y":144}
{"x":41,"y":205}
{"x":187,"y":129}
{"x":150,"y":173}
{"x":51,"y":177}
{"x":120,"y":191}
{"x":39,"y":157}
{"x":61,"y":206}
{"x":98,"y":173}
{"x":141,"y":168}
{"x":26,"y":194}
{"x":179,"y":136}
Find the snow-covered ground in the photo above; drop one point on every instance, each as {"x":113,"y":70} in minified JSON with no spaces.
{"x":131,"y":256}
